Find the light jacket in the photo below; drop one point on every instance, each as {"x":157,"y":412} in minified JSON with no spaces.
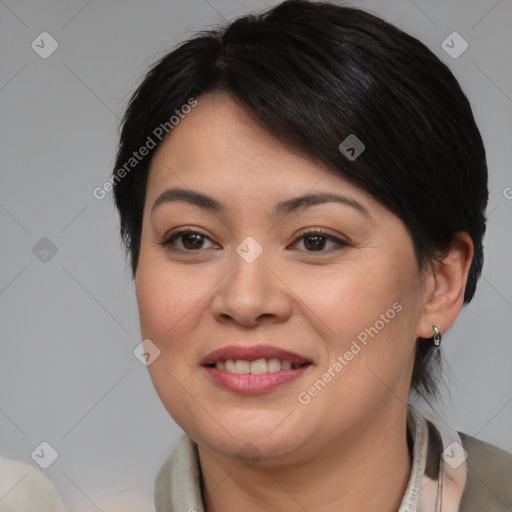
{"x":24,"y":488}
{"x":451,"y":472}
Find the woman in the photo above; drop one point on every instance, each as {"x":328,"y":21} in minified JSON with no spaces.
{"x":302,"y":196}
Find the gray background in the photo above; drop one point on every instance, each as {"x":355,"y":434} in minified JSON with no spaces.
{"x":69,"y":325}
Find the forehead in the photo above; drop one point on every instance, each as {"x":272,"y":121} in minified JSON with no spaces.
{"x":218,"y":147}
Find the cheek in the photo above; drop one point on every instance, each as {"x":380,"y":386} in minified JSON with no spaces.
{"x":367,"y":318}
{"x":154,"y":302}
{"x":352,"y":298}
{"x":168,"y":299}
{"x":168,"y":304}
{"x":367,"y":315}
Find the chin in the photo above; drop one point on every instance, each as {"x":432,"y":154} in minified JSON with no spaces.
{"x":246,"y":448}
{"x":268,"y":437}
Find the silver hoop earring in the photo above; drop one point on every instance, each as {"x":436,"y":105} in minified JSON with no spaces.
{"x":436,"y":339}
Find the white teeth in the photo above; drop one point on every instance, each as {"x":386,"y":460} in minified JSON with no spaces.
{"x":257,"y":367}
{"x":273,"y":365}
{"x":286,"y":365}
{"x":242,"y":366}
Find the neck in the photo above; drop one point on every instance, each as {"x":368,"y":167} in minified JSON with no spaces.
{"x":365,"y":469}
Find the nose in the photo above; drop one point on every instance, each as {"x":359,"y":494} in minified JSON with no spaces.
{"x":252,"y":293}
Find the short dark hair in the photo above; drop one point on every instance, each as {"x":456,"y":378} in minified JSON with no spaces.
{"x":312,"y":73}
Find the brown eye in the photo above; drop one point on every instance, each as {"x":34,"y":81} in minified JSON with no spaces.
{"x":190,"y":241}
{"x":315,"y":241}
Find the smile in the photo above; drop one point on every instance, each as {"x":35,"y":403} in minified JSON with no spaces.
{"x":257,"y":367}
{"x":254,"y":370}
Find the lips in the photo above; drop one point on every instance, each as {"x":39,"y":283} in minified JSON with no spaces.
{"x":232,"y":368}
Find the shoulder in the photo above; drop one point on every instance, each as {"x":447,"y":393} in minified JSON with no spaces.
{"x":24,"y":487}
{"x":183,"y":459}
{"x":136,"y":496}
{"x":489,"y":480}
{"x":177,"y":484}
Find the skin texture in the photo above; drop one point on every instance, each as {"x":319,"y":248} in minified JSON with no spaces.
{"x":346,"y":449}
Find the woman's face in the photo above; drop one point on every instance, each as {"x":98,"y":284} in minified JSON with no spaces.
{"x":341,"y":307}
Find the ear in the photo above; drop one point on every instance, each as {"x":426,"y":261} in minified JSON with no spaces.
{"x":444,"y":286}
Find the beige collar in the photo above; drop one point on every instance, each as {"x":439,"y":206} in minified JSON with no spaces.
{"x":439,"y":469}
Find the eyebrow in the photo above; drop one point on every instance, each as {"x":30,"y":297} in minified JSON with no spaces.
{"x":280,"y":209}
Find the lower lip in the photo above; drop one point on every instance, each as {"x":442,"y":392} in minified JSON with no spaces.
{"x":251,"y":384}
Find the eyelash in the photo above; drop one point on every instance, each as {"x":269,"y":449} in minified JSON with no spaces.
{"x":168,"y":240}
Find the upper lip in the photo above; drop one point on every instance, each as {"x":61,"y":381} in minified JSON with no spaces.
{"x":252,"y":353}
